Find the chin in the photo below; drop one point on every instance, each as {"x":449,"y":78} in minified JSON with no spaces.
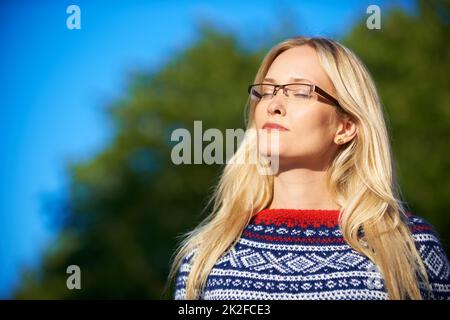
{"x":271,"y":151}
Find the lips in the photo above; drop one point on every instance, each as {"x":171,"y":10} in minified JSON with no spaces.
{"x":274,"y":126}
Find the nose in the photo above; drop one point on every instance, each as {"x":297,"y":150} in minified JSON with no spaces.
{"x":277,"y":104}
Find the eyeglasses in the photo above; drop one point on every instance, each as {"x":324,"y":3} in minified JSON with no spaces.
{"x":297,"y":91}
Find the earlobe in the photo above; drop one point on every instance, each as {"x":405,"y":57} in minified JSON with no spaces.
{"x":340,"y":140}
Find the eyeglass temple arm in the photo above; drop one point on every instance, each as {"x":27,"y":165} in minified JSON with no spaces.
{"x":326,"y":95}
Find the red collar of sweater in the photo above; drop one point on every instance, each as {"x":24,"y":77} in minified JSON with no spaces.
{"x":298,"y":217}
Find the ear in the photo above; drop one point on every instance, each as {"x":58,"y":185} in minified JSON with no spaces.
{"x":346,"y":130}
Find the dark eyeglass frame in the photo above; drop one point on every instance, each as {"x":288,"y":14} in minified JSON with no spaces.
{"x":313,"y":88}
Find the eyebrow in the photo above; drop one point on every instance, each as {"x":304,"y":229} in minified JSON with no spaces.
{"x":291,"y":80}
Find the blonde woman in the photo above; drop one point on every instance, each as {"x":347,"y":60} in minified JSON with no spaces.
{"x":329,"y":222}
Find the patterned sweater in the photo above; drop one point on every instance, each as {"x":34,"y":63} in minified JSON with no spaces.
{"x":301,"y":254}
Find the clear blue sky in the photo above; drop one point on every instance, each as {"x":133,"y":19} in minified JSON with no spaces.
{"x":55,"y":83}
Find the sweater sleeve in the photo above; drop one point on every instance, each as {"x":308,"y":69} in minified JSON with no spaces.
{"x":434,"y":258}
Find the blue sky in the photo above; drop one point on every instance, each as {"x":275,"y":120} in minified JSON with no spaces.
{"x":56,"y":82}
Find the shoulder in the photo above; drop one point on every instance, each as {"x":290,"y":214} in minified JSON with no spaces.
{"x":433,"y":255}
{"x":422,"y":230}
{"x":426,"y":238}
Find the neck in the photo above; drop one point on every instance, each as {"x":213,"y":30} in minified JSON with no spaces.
{"x":301,"y":188}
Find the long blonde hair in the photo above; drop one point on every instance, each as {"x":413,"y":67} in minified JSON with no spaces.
{"x":361,"y":179}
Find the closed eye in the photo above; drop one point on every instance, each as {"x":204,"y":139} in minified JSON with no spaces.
{"x":301,"y":95}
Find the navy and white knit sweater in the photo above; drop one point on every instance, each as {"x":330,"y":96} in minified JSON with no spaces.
{"x":301,"y":254}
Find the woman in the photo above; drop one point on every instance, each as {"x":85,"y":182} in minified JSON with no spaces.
{"x":329,"y":222}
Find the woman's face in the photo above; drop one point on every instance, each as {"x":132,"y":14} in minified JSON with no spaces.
{"x":312,"y":125}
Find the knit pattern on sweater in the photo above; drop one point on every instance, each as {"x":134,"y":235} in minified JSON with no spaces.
{"x":301,"y":254}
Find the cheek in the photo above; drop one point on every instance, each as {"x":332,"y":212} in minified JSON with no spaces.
{"x":312,"y":131}
{"x":259,"y":116}
{"x":311,"y":120}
